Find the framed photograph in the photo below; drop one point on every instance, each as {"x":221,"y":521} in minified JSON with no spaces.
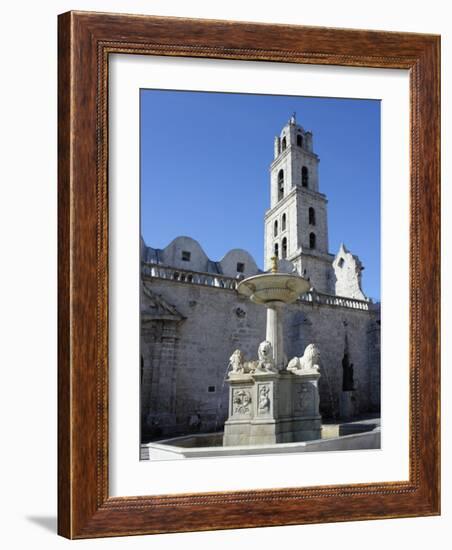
{"x":248,"y":275}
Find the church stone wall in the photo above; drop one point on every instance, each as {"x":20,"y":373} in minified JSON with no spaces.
{"x":218,"y":321}
{"x":317,"y":268}
{"x":337,"y":330}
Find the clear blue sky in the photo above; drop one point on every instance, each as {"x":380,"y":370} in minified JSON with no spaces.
{"x":205,"y":170}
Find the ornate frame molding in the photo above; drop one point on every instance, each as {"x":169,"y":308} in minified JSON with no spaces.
{"x":85,"y":42}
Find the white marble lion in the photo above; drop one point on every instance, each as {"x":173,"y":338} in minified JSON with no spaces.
{"x":236,"y":362}
{"x":265,"y":355}
{"x":309,"y":362}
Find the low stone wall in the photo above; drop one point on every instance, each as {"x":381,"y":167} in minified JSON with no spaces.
{"x":360,"y":441}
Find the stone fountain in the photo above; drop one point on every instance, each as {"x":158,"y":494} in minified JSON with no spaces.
{"x":272,"y":400}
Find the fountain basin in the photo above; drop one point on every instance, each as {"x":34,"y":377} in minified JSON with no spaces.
{"x":334,"y":437}
{"x":273,"y":287}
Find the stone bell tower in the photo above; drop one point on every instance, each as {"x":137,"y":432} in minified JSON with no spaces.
{"x":296,"y":225}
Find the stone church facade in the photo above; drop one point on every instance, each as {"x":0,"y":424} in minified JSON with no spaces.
{"x":192,"y":317}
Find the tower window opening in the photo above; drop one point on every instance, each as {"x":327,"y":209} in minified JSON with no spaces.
{"x":276,"y":250}
{"x":284,"y":248}
{"x":304,"y":177}
{"x":186,"y":256}
{"x":284,"y":144}
{"x":275,"y":228}
{"x":280,"y":184}
{"x":299,"y":141}
{"x":240,"y":267}
{"x":311,"y":216}
{"x":283,"y":222}
{"x":340,"y":263}
{"x":312,"y":240}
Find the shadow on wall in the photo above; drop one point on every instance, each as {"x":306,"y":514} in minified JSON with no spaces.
{"x":49,"y":523}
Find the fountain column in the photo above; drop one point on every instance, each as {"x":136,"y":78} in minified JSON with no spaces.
{"x":274,"y":333}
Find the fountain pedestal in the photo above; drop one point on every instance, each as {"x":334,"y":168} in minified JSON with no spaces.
{"x":267,"y":408}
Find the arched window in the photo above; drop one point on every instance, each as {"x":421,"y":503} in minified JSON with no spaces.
{"x":280,"y":184}
{"x":275,"y":228}
{"x":284,"y":144}
{"x":276,"y":250}
{"x":299,"y":141}
{"x":312,"y":240}
{"x":304,"y":177}
{"x":283,"y":222}
{"x":284,"y":248}
{"x":311,"y":216}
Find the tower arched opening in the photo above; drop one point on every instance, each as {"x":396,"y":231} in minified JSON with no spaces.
{"x":312,"y":241}
{"x":280,"y":184}
{"x":311,"y":216}
{"x":284,"y":248}
{"x":304,"y":177}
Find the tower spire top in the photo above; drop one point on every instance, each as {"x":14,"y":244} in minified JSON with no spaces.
{"x":293,"y":118}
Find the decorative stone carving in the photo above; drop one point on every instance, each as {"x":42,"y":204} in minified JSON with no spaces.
{"x":264,"y":399}
{"x":251,"y":366}
{"x":236,"y":362}
{"x":156,"y":308}
{"x":238,"y":365}
{"x":305,"y":404}
{"x":265,"y":362}
{"x":241,"y":401}
{"x":310,"y":362}
{"x":265,"y":355}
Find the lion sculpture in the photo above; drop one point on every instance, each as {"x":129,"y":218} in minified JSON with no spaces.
{"x":236,"y":362}
{"x":238,"y":365}
{"x":265,"y":355}
{"x":310,"y":362}
{"x":265,"y":362}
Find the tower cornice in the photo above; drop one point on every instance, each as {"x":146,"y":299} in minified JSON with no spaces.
{"x":297,"y":190}
{"x":292,"y":149}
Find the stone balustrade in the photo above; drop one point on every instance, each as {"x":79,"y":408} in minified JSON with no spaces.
{"x":186,"y":276}
{"x":330,"y":300}
{"x":157,"y":271}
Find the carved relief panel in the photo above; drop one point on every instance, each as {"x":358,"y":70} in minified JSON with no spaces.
{"x":264,"y":400}
{"x":241,"y":402}
{"x":305,"y":399}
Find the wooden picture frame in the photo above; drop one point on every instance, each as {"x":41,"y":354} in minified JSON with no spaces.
{"x":86,"y":40}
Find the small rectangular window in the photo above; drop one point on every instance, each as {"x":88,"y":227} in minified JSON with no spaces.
{"x":186,"y":256}
{"x":211,"y":389}
{"x":240,"y":267}
{"x":341,"y":262}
